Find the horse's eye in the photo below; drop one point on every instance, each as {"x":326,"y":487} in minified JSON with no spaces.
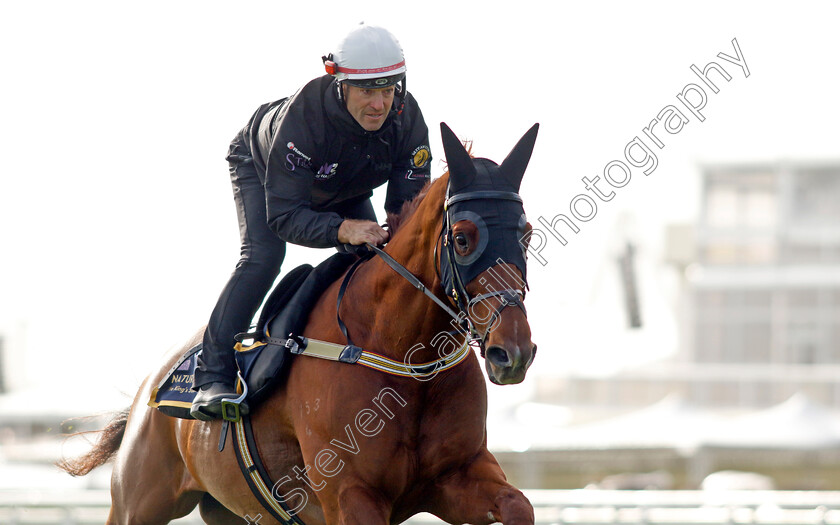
{"x":461,"y":241}
{"x":464,"y":237}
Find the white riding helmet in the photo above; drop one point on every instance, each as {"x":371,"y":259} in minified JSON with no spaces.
{"x":368,"y":57}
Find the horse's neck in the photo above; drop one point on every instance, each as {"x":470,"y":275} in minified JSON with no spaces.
{"x":404,"y":316}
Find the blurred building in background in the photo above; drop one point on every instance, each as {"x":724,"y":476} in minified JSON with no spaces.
{"x":764,"y":297}
{"x":759,"y":296}
{"x":755,"y":382}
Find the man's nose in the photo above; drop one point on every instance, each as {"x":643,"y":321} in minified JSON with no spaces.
{"x":377,"y":101}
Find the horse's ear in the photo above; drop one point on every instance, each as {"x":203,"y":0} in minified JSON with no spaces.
{"x":513,"y":167}
{"x":461,"y":169}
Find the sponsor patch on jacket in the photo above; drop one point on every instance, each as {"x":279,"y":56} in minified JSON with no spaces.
{"x":410,"y":175}
{"x":298,"y":158}
{"x":291,"y":146}
{"x":420,"y":156}
{"x":327,"y":170}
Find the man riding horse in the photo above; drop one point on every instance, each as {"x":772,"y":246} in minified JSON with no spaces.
{"x":395,"y":352}
{"x":303,"y":170}
{"x":455,"y":259}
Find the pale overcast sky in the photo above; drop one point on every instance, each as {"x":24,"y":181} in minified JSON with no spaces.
{"x":117,"y":226}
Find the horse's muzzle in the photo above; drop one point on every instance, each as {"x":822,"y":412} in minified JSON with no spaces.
{"x":508,"y":366}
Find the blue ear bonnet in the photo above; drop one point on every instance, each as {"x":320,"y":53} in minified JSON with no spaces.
{"x":500,"y":224}
{"x":486,"y":194}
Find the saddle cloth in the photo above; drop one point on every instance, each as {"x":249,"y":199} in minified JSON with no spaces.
{"x":261,"y":364}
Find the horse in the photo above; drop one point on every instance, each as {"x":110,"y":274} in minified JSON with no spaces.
{"x":350,"y":444}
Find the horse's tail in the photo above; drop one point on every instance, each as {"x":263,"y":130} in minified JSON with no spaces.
{"x":106,"y":446}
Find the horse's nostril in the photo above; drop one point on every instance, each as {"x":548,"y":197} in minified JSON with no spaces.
{"x":532,"y":356}
{"x":498,"y":356}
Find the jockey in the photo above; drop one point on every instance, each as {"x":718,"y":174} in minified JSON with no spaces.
{"x":303,"y":170}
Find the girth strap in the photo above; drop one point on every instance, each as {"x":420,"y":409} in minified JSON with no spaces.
{"x":256,"y":474}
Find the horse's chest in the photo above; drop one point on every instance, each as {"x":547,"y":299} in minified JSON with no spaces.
{"x":450,"y":441}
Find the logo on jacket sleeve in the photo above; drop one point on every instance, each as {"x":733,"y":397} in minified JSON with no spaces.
{"x":420,"y":156}
{"x":291,"y":146}
{"x":297,"y":158}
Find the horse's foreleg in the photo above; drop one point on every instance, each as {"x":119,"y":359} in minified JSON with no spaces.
{"x":358,"y":504}
{"x":480,"y":494}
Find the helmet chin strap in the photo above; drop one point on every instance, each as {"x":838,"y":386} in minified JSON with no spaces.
{"x":400,"y":93}
{"x":340,"y":90}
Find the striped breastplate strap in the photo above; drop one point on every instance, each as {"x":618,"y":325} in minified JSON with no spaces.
{"x":355,"y":354}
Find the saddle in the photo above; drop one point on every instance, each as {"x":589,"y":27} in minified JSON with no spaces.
{"x":263,"y":363}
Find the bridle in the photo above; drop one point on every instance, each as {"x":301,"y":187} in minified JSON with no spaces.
{"x":456,"y":289}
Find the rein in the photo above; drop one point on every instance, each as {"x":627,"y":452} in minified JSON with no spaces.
{"x":411,"y":278}
{"x":509,"y":296}
{"x":351,"y":353}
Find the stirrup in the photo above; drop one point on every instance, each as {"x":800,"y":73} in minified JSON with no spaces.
{"x":230,"y":405}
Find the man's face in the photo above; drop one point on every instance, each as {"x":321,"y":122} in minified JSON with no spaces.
{"x":370,"y":107}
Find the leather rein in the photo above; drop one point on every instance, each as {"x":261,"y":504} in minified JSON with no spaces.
{"x":459,"y":294}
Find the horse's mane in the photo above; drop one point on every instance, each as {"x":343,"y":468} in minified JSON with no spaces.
{"x":395,"y":220}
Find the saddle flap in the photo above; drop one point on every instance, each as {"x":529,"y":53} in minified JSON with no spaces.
{"x":174,"y":395}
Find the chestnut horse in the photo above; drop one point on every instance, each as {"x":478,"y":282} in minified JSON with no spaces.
{"x":348,"y":444}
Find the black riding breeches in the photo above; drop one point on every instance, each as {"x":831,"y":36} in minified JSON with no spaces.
{"x":261,"y":255}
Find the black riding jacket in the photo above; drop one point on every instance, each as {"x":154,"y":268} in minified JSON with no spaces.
{"x":312,"y":156}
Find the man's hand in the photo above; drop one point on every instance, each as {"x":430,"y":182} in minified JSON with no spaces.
{"x":353,"y":231}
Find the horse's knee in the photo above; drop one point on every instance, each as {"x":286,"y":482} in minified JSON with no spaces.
{"x":362,"y":505}
{"x":514,"y":508}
